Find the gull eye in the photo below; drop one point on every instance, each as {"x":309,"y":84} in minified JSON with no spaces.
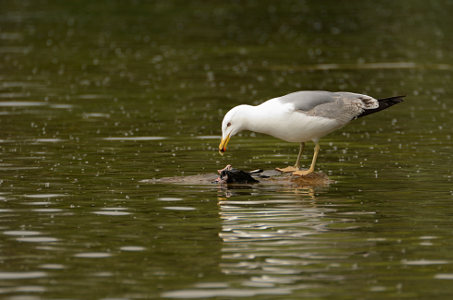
{"x":229,"y":124}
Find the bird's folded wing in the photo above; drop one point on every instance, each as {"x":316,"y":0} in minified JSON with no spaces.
{"x":341,"y":106}
{"x":307,"y":100}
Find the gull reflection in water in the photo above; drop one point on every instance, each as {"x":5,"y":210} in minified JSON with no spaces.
{"x":271,"y":239}
{"x":274,"y":244}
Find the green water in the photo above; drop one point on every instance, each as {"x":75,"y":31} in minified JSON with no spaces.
{"x":96,"y":96}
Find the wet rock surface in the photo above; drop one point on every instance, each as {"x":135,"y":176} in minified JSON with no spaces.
{"x":233,"y":176}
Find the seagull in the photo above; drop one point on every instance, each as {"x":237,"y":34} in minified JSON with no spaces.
{"x":300,"y":117}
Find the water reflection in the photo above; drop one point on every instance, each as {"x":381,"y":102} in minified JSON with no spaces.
{"x":276,"y":244}
{"x":255,"y":233}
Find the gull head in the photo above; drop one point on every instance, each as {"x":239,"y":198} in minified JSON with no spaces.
{"x":234,"y":121}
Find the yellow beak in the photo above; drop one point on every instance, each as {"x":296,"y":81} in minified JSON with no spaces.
{"x":223,"y":144}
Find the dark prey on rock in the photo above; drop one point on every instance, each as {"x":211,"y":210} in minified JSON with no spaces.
{"x":231,"y":175}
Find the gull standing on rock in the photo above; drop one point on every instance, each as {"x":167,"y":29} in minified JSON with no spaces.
{"x":300,"y":117}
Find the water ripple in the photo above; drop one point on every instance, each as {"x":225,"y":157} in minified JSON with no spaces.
{"x":135,"y":138}
{"x":132,"y":248}
{"x":48,"y":140}
{"x":47,"y":210}
{"x":182,"y":208}
{"x":22,"y":275}
{"x":424,"y":262}
{"x":169,"y":199}
{"x":233,"y":292}
{"x":448,"y":276}
{"x":43,"y":196}
{"x":202,"y":293}
{"x":37,"y":239}
{"x":21,"y":232}
{"x":112,"y":213}
{"x":21,"y":103}
{"x":93,"y":255}
{"x":52,"y":266}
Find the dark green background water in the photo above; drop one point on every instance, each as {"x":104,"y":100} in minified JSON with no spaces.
{"x":98,"y":95}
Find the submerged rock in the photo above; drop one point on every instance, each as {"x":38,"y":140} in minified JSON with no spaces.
{"x":233,"y":176}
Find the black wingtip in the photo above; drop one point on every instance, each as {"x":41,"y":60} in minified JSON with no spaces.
{"x":383,"y":104}
{"x":395,"y":99}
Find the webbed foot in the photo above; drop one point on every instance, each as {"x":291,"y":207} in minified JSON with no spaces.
{"x":303,"y":172}
{"x":288,"y":169}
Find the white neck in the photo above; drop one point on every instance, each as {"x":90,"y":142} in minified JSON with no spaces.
{"x":254,"y":118}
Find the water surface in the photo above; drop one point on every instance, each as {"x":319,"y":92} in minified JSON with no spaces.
{"x":97,"y":96}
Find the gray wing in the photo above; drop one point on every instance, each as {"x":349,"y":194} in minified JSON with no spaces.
{"x":307,"y":100}
{"x":341,"y":106}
